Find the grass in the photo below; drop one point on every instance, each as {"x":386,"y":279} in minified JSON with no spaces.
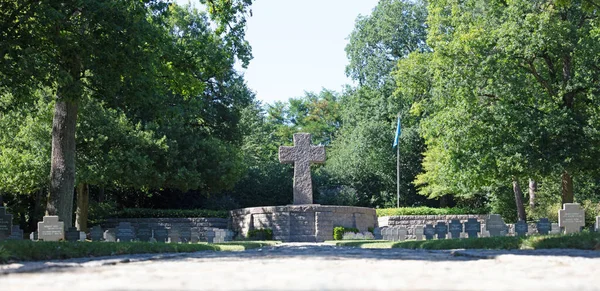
{"x":11,"y":251}
{"x":583,"y":241}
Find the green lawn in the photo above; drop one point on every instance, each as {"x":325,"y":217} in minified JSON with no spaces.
{"x":31,"y":251}
{"x":584,"y":241}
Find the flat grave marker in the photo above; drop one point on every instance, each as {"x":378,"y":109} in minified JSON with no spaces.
{"x":441,"y":229}
{"x":495,"y":225}
{"x":455,"y":227}
{"x":17,"y":233}
{"x":419,"y":232}
{"x":429,"y":231}
{"x":96,"y":233}
{"x":72,"y":234}
{"x":5,"y":223}
{"x":50,"y":229}
{"x":472,"y":227}
{"x":521,"y":228}
{"x":174,"y":236}
{"x":160,"y":234}
{"x":543,"y":226}
{"x":144,"y":233}
{"x":571,"y":218}
{"x":125,"y":232}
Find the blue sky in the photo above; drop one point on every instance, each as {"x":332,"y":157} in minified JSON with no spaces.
{"x":299,"y":45}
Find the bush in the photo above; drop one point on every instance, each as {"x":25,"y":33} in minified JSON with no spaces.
{"x":423,"y":210}
{"x":338,"y":231}
{"x":260,"y":234}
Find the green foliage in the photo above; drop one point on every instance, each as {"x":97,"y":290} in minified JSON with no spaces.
{"x":428,"y":211}
{"x":11,"y":251}
{"x":171,"y":213}
{"x":260,"y":234}
{"x":338,"y":231}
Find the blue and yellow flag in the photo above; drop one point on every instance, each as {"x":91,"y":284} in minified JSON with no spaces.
{"x":398,"y":132}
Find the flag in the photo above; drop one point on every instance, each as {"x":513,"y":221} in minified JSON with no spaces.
{"x":398,"y":132}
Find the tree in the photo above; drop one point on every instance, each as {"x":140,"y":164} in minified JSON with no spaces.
{"x":117,"y":52}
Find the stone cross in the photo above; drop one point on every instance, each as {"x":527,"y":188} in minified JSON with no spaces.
{"x":5,"y":223}
{"x":521,"y":228}
{"x":543,"y":226}
{"x":441,"y":229}
{"x":51,"y":229}
{"x":455,"y":227}
{"x":429,"y":231}
{"x":96,"y":233}
{"x":472,"y":227}
{"x":418,"y":232}
{"x":302,"y":154}
{"x":495,"y":225}
{"x":571,"y":217}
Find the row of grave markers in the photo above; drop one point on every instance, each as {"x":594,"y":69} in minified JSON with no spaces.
{"x":571,"y":220}
{"x":51,"y":229}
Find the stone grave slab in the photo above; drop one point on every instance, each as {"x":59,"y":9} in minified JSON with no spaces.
{"x":441,"y":230}
{"x":395,"y":233}
{"x":5,"y":224}
{"x":96,"y":233}
{"x":495,"y":225}
{"x":386,"y":233}
{"x":144,"y":232}
{"x":377,"y":233}
{"x":555,"y":228}
{"x":174,"y":236}
{"x":419,"y":232}
{"x":17,"y":233}
{"x":160,"y":234}
{"x":195,"y":235}
{"x":72,"y":234}
{"x":571,"y":218}
{"x":210,"y":236}
{"x":543,"y":226}
{"x":455,"y":228}
{"x":302,"y":154}
{"x":33,"y":236}
{"x":472,"y":227}
{"x":82,"y":236}
{"x":429,"y":231}
{"x":125,"y":232}
{"x":219,"y":235}
{"x":521,"y":228}
{"x":402,"y":233}
{"x":50,"y":229}
{"x":185,"y":235}
{"x":110,"y":235}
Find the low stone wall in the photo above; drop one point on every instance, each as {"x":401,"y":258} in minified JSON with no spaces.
{"x":203,"y":224}
{"x":302,"y":223}
{"x":412,"y":221}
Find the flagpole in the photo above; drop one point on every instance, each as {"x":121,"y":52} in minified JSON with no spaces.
{"x":398,"y":176}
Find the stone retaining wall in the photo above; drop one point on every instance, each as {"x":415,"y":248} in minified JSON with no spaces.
{"x":302,"y":223}
{"x":203,"y":224}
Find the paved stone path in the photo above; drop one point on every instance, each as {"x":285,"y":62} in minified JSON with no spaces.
{"x":316,"y":266}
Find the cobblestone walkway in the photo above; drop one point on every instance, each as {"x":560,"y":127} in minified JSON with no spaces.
{"x":316,"y":266}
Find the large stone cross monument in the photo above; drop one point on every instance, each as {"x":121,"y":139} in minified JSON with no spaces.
{"x":302,"y":154}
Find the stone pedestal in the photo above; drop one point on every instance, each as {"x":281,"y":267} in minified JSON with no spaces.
{"x":302,"y":223}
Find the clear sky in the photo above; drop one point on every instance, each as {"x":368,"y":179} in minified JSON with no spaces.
{"x":299,"y":45}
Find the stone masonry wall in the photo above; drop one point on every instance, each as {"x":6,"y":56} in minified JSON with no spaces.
{"x":302,"y":223}
{"x":203,"y":224}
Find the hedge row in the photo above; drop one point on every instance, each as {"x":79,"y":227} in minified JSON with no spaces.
{"x":428,"y":211}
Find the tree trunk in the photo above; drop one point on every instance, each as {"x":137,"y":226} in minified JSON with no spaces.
{"x":62,"y":167}
{"x":567,"y":188}
{"x":519,"y":200}
{"x":101,"y":194}
{"x":532,"y":189}
{"x":81,"y":214}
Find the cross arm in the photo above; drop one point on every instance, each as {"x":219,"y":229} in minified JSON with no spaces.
{"x":286,"y":155}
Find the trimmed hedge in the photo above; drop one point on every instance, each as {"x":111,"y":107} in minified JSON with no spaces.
{"x":428,"y":211}
{"x":260,"y":234}
{"x":171,"y":213}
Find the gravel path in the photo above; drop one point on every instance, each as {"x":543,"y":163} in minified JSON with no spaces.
{"x":316,"y":266}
